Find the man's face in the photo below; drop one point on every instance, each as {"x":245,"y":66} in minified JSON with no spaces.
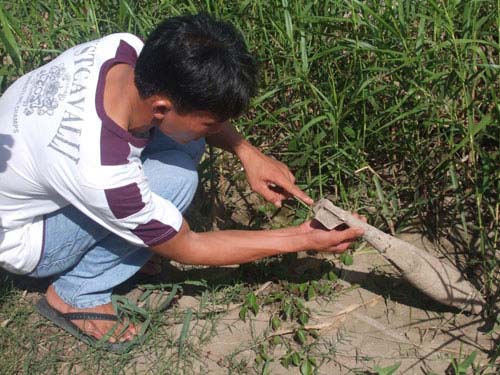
{"x":187,"y":127}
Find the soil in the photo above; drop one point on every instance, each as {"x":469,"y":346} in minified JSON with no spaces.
{"x":388,"y":322}
{"x":375,"y":319}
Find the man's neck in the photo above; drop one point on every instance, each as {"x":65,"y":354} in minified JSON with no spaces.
{"x":122,"y":102}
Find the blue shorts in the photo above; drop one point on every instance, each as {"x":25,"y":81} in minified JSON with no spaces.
{"x":86,"y":259}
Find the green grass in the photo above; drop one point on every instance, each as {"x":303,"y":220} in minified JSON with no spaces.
{"x":389,"y":106}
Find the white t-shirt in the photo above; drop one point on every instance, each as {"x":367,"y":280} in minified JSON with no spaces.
{"x":58,"y":147}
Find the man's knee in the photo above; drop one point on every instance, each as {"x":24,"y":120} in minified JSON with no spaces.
{"x":188,"y":184}
{"x":172,"y":175}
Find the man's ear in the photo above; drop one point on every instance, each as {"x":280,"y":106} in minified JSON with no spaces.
{"x":160,"y":106}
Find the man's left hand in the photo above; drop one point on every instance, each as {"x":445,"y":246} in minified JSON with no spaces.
{"x":271,"y":179}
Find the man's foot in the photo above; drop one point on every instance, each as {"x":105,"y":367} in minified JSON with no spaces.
{"x":95,"y":328}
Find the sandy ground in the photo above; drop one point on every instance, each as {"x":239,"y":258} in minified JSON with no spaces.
{"x":377,"y":320}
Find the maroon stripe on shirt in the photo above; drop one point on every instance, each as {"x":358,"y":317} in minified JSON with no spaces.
{"x":114,"y":150}
{"x":154,"y":232}
{"x":126,"y":53}
{"x":113,"y":136}
{"x":125,"y":200}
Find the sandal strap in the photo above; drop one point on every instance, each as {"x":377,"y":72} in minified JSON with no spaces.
{"x":89,"y":316}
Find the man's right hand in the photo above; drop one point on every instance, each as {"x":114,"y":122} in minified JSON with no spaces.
{"x":335,"y":240}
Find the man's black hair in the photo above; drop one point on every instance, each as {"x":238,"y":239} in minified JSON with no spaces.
{"x":199,"y":63}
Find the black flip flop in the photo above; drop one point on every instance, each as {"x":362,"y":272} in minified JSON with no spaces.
{"x":64,"y":321}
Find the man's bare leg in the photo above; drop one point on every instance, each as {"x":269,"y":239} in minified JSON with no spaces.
{"x":95,"y":328}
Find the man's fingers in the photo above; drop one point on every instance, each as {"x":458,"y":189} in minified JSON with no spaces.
{"x":342,"y":247}
{"x":281,"y":191}
{"x":270,"y":195}
{"x":359,"y":217}
{"x":349,"y":234}
{"x":344,"y":239}
{"x":296,"y":192}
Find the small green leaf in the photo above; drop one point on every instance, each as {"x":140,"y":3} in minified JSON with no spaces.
{"x":295,"y":358}
{"x":311,"y":293}
{"x":276,"y":340}
{"x":287,"y":310}
{"x":279,"y":296}
{"x":306,"y":368}
{"x":389,"y":370}
{"x":300,"y":336}
{"x":243,"y":313}
{"x":302,"y":287}
{"x":299,"y":303}
{"x":347,"y":259}
{"x":324,"y":289}
{"x":275,"y":322}
{"x":286,"y":360}
{"x":332,"y":276}
{"x":303,"y":318}
{"x":266,"y":208}
{"x":252,"y":303}
{"x":349,"y":131}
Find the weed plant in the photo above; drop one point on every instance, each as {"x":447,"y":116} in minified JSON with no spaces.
{"x":389,"y":106}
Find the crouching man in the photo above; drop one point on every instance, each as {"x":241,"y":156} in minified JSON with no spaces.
{"x":103,"y":144}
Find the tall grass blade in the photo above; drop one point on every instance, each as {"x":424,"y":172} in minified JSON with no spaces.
{"x":8,"y":39}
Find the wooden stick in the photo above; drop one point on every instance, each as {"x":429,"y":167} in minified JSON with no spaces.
{"x":332,"y":321}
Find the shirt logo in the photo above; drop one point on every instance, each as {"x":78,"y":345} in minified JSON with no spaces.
{"x":48,"y":90}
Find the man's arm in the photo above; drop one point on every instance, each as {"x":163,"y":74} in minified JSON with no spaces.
{"x":264,"y":174}
{"x":228,"y":139}
{"x":240,"y":246}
